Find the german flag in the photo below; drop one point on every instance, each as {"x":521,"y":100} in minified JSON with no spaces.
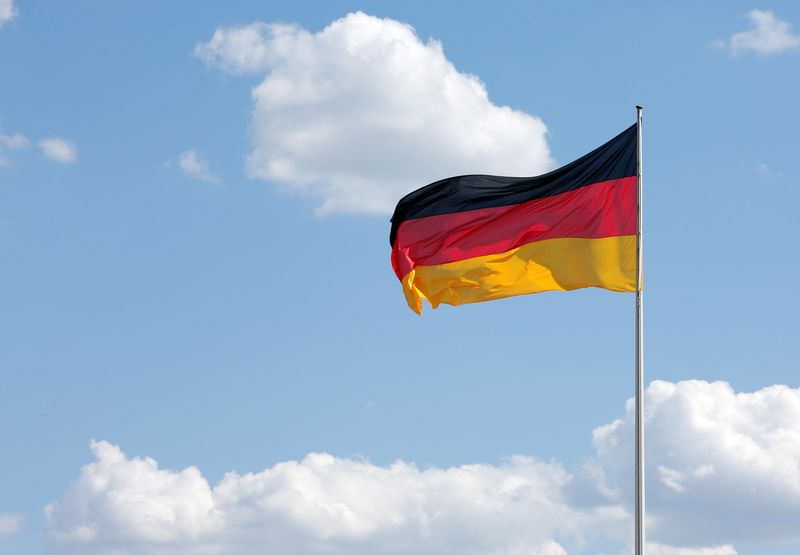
{"x":478,"y":238}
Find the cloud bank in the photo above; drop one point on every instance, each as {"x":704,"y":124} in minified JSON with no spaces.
{"x":723,"y":468}
{"x":363,"y":111}
{"x":658,"y":549}
{"x":321,"y":504}
{"x":767,"y":35}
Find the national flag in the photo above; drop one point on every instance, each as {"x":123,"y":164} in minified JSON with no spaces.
{"x":477,"y":238}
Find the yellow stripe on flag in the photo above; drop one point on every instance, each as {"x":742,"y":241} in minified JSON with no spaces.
{"x":548,"y":265}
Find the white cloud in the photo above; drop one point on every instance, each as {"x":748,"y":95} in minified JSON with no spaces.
{"x":363,"y":111}
{"x":723,"y":467}
{"x":60,"y":150}
{"x":195,"y":165}
{"x":9,"y":524}
{"x":243,"y":49}
{"x":15,"y":141}
{"x":321,"y":504}
{"x":7,"y":11}
{"x":768,"y":35}
{"x":11,"y":142}
{"x":657,"y":549}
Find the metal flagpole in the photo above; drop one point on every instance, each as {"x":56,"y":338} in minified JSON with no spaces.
{"x":639,"y":502}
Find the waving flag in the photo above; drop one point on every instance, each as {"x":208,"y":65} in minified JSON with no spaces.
{"x":477,"y":238}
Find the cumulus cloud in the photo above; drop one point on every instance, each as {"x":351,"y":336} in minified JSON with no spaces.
{"x":767,"y":35}
{"x":9,"y":524}
{"x":358,"y":114}
{"x":195,"y":165}
{"x":58,"y":149}
{"x":723,"y":468}
{"x":658,"y":549}
{"x":8,"y":11}
{"x":321,"y":504}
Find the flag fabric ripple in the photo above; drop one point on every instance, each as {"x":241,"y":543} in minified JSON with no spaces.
{"x":476,"y":238}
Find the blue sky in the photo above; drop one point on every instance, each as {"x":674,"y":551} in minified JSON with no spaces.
{"x":169,"y":292}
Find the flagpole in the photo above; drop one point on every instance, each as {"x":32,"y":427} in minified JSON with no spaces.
{"x":639,"y":502}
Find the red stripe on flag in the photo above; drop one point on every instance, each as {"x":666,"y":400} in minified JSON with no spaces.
{"x":605,"y":209}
